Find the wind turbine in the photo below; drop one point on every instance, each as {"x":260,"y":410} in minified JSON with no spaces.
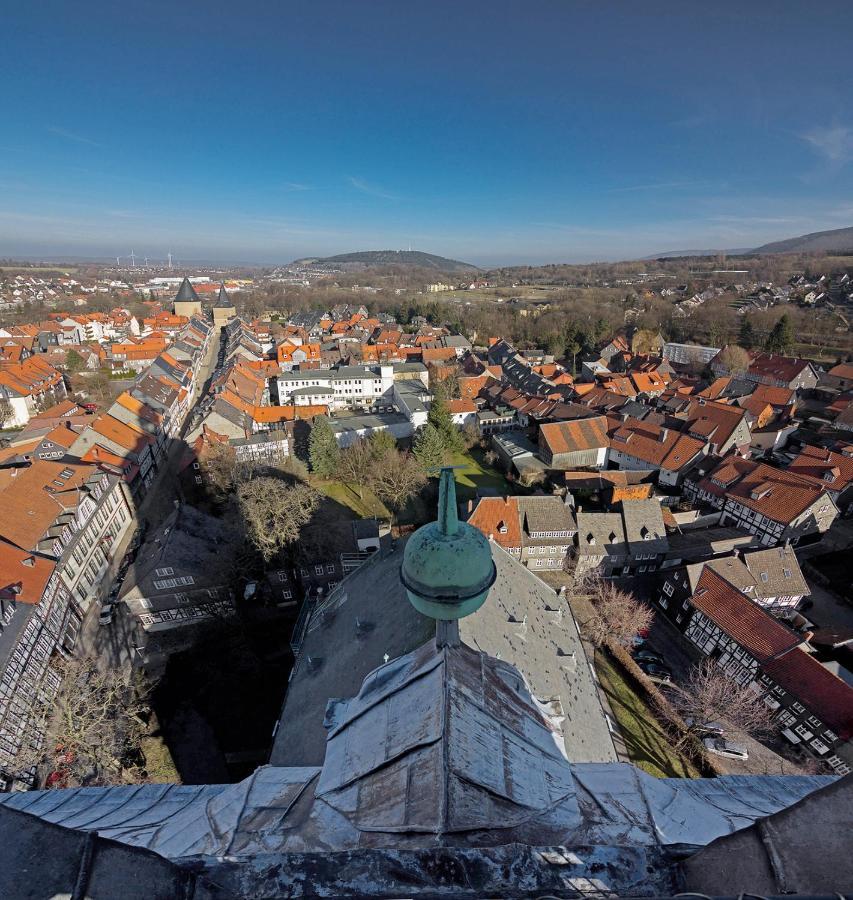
{"x":118,"y":262}
{"x":132,"y":260}
{"x":170,"y":259}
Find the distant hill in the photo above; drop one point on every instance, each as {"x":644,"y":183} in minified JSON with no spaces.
{"x":674,"y":254}
{"x":406,"y":258}
{"x":838,"y":239}
{"x":816,"y":242}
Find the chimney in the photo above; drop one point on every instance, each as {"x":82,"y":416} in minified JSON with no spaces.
{"x":664,"y":434}
{"x":807,"y":636}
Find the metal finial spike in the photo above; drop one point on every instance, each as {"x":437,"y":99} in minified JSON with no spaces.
{"x":448,"y":520}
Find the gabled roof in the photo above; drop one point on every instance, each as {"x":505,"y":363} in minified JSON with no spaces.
{"x":834,"y":469}
{"x":657,"y":446}
{"x":575,"y":434}
{"x":23,"y":575}
{"x":744,"y":621}
{"x":498,"y":518}
{"x":823,"y":693}
{"x":781,"y":496}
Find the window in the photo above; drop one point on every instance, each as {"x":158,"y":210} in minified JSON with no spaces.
{"x":330,"y":570}
{"x":287,"y":594}
{"x":282,"y":576}
{"x":318,"y":570}
{"x":162,"y":572}
{"x":803,"y":732}
{"x":798,"y":707}
{"x":663,"y":602}
{"x":668,"y":589}
{"x":819,"y":746}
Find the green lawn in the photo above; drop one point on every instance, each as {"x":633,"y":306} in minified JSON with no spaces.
{"x":362,"y":508}
{"x":473,"y":472}
{"x":644,"y":737}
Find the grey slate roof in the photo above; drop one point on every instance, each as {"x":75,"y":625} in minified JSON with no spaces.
{"x":523,"y":622}
{"x":223,"y":301}
{"x":546,"y":514}
{"x":186,"y":292}
{"x":600,"y":534}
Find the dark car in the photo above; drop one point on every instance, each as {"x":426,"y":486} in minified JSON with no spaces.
{"x":656,"y":672}
{"x":649,"y":656}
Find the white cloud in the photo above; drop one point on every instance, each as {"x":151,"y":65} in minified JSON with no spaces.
{"x":373,"y":190}
{"x":834,"y":143}
{"x":72,"y":136}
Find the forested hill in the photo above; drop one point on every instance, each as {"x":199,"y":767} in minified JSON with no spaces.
{"x":839,"y":239}
{"x":407,"y":258}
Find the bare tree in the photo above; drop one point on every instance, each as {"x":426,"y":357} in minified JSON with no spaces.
{"x":92,"y":728}
{"x":274,"y":512}
{"x":355,"y":465}
{"x":710,"y":695}
{"x":7,"y":412}
{"x":220,"y":468}
{"x":735,"y":360}
{"x":616,"y":616}
{"x":395,"y":477}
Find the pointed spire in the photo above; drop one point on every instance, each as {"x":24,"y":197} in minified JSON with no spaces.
{"x":186,"y":291}
{"x":223,"y":301}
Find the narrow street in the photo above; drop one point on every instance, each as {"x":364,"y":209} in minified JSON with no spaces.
{"x":122,"y":643}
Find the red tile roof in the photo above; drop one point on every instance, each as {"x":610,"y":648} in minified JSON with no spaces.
{"x":746,"y":622}
{"x":576,"y":434}
{"x":824,"y":694}
{"x":655,"y":445}
{"x":493,"y":513}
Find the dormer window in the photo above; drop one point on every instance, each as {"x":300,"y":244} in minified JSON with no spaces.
{"x":765,"y":577}
{"x":502,"y":527}
{"x":590,"y":538}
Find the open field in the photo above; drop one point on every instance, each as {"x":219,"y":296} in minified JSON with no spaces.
{"x":645,"y":739}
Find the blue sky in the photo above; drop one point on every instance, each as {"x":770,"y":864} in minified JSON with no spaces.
{"x":500,"y":132}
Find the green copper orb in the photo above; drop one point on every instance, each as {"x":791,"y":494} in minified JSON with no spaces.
{"x":447,"y":566}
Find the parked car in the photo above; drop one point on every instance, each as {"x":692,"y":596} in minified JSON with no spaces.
{"x":106,"y":615}
{"x":713,"y":728}
{"x":722,"y":747}
{"x":649,"y":656}
{"x":656,"y":671}
{"x":90,"y":407}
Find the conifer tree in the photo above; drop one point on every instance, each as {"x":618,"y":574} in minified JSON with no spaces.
{"x":746,"y":338}
{"x":323,"y":450}
{"x":429,"y":448}
{"x":442,"y":421}
{"x":781,"y":338}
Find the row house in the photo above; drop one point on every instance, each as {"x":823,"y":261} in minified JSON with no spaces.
{"x":777,"y":506}
{"x":123,"y":440}
{"x":812,"y":707}
{"x":772,"y":579}
{"x":29,"y":387}
{"x":537,"y":531}
{"x":833,"y":468}
{"x":722,"y":426}
{"x":63,"y":524}
{"x":641,"y":445}
{"x":616,"y":544}
{"x":781,"y":371}
{"x":182,"y":577}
